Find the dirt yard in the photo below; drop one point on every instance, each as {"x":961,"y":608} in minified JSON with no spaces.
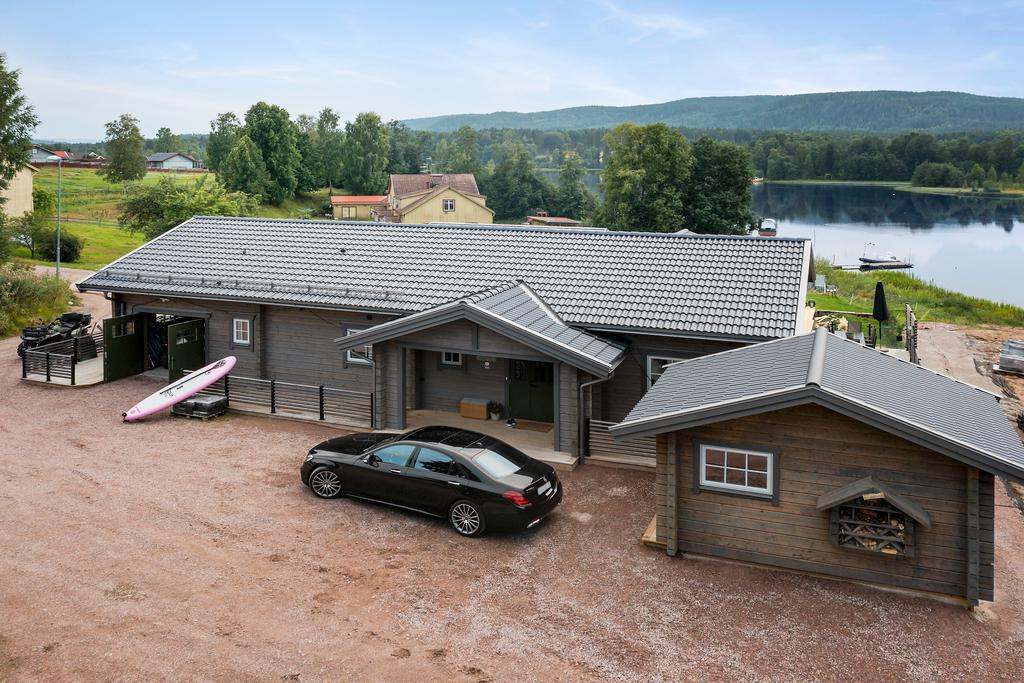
{"x":177,"y":549}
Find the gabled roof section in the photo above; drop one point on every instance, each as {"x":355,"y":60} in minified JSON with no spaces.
{"x":511,"y":309}
{"x":476,"y":199}
{"x":164,"y":156}
{"x":936,"y":411}
{"x":735,"y":288}
{"x":409,"y":183}
{"x":869,"y":486}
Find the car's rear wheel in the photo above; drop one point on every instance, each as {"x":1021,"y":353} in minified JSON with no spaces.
{"x":466,"y":518}
{"x":325,"y":483}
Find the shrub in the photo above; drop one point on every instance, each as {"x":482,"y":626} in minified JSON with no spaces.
{"x":46,"y":246}
{"x":26,"y":297}
{"x":931,"y":174}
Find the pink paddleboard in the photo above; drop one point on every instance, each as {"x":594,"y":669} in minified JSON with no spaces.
{"x":180,"y":390}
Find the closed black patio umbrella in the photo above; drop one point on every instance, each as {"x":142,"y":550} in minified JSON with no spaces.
{"x":880,"y":309}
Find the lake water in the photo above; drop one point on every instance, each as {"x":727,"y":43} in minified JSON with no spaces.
{"x":967,"y":244}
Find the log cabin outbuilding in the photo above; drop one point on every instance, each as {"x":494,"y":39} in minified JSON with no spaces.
{"x":818,"y":454}
{"x":560,"y":330}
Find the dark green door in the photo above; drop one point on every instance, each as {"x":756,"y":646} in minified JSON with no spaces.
{"x":123,"y":348}
{"x":186,"y":348}
{"x":531,"y":391}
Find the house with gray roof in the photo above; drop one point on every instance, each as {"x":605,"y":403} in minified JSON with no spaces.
{"x":818,"y":454}
{"x":561,"y":330}
{"x":172,"y":161}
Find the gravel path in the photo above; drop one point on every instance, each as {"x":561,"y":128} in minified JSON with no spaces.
{"x":176,"y":549}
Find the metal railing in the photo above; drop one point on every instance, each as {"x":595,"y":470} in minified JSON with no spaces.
{"x":59,"y":360}
{"x":342,"y":405}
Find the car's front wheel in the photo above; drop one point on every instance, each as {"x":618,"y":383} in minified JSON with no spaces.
{"x":325,"y":483}
{"x":466,"y":518}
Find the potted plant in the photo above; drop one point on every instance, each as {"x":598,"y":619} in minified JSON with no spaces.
{"x":495,"y":409}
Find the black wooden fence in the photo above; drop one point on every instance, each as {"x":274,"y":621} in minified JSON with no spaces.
{"x":59,"y":360}
{"x":308,"y":400}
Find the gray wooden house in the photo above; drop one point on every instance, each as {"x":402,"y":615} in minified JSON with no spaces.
{"x":564,"y":328}
{"x":815,"y":453}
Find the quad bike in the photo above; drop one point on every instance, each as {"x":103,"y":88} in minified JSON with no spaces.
{"x":67,"y":326}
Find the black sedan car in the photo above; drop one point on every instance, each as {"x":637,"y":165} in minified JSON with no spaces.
{"x":474,"y":481}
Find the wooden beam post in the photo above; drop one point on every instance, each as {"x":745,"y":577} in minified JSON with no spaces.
{"x":672,"y":494}
{"x":973,"y":536}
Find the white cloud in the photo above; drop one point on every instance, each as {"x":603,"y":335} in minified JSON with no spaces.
{"x":651,"y":22}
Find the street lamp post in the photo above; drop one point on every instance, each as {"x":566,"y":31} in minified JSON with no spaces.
{"x":59,"y":161}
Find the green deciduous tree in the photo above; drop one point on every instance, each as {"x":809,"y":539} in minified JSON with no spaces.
{"x":366,"y":154}
{"x":125,"y":147}
{"x":645,"y":179}
{"x":330,"y":147}
{"x":407,"y":148}
{"x":276,"y":137}
{"x":17,"y":121}
{"x":223,"y":131}
{"x":166,"y":141}
{"x":935,"y":174}
{"x":244,"y":170}
{"x":516,"y":187}
{"x":716,"y":199}
{"x":461,"y":154}
{"x":154,"y":209}
{"x":572,"y":198}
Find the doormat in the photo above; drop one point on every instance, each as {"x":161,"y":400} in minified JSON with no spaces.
{"x":531,"y":426}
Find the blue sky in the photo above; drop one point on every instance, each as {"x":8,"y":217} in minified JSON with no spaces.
{"x":180,"y":63}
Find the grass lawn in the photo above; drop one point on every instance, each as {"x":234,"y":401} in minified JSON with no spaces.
{"x":930,"y":302}
{"x":103,"y":243}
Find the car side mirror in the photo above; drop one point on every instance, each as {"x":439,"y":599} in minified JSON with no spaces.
{"x":371,"y":460}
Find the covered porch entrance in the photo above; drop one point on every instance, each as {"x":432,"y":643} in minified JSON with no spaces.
{"x":501,"y":351}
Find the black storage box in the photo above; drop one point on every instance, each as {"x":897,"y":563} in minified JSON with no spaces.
{"x":201,"y":406}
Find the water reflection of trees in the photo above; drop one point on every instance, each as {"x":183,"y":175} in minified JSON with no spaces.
{"x":818,"y":204}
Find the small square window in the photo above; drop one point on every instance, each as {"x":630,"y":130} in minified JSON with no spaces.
{"x":241,"y":331}
{"x":656,"y":367}
{"x":735,"y":470}
{"x":451,"y":358}
{"x":447,"y":205}
{"x":360,"y":355}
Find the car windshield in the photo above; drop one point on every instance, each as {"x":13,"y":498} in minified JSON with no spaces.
{"x":497,"y":458}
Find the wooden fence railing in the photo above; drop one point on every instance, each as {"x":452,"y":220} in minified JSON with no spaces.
{"x":59,"y":360}
{"x":326,"y":403}
{"x":603,"y":446}
{"x":910,"y":335}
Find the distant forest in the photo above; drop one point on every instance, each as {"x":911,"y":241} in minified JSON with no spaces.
{"x":876,"y":111}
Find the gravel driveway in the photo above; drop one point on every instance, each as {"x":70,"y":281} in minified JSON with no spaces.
{"x":176,"y":549}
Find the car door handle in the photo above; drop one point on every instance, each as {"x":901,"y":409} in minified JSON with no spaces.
{"x":455,"y":483}
{"x":397,"y":470}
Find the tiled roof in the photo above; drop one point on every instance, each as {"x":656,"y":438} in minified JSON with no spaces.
{"x":730,"y":287}
{"x":840,"y":374}
{"x":514,"y":310}
{"x":358,"y":199}
{"x":407,"y":183}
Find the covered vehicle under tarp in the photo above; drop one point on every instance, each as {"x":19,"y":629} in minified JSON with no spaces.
{"x":1011,"y":359}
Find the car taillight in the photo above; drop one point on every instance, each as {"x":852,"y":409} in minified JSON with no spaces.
{"x":517,"y":499}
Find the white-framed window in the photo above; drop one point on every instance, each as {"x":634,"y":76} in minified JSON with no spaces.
{"x":739,"y":470}
{"x":451,"y":358}
{"x":447,"y":205}
{"x":656,"y":366}
{"x":241,"y":331}
{"x":360,"y":355}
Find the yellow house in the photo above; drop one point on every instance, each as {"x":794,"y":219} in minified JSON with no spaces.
{"x":356,"y":207}
{"x":19,"y":193}
{"x":434,"y":198}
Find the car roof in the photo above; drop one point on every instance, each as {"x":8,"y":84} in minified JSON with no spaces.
{"x":453,"y":437}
